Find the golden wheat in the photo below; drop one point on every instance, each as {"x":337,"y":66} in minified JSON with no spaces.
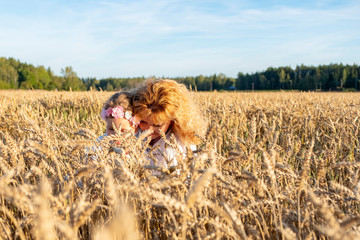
{"x":273,"y":165}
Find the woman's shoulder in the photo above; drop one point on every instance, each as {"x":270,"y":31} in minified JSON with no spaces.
{"x":180,"y":144}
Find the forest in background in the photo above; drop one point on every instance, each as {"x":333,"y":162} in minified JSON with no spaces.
{"x":333,"y":77}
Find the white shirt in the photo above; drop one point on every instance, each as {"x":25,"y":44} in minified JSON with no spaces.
{"x":164,"y":155}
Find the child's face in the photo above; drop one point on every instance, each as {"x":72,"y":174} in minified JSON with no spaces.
{"x":148,"y":124}
{"x":122,"y":123}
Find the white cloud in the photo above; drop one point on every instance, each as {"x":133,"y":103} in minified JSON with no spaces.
{"x":134,"y":38}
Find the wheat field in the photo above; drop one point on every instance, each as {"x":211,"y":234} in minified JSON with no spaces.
{"x":273,"y":165}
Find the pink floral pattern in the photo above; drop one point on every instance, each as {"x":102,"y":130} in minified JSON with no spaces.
{"x":118,"y":112}
{"x":135,"y":120}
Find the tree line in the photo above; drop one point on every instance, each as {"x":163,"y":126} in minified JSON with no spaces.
{"x":333,"y":77}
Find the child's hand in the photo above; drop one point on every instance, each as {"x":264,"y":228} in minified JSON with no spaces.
{"x":147,"y":133}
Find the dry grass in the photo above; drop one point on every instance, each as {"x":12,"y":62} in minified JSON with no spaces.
{"x":272,"y":166}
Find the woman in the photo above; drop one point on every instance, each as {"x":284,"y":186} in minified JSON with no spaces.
{"x":166,"y":107}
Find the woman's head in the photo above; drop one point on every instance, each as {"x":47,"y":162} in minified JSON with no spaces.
{"x":118,"y":113}
{"x":165,"y":104}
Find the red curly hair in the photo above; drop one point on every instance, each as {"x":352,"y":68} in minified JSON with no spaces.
{"x":164,"y":100}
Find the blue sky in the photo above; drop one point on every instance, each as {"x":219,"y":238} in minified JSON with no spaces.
{"x":173,"y":38}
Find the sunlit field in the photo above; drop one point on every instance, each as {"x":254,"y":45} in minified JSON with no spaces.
{"x":273,"y":165}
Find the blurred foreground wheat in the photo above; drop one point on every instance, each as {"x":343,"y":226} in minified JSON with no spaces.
{"x":271,"y":166}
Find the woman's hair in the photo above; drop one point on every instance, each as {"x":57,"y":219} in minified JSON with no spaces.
{"x":123,"y":99}
{"x":164,"y":100}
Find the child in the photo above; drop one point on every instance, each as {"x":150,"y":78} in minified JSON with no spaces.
{"x":166,"y":106}
{"x":118,"y":115}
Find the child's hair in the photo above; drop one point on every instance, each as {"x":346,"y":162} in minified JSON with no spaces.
{"x":123,"y":99}
{"x":165,"y":99}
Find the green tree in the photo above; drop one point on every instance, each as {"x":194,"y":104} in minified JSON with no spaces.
{"x":71,"y":80}
{"x":109,"y":87}
{"x":43,"y":77}
{"x":240,"y":81}
{"x":57,"y":83}
{"x":273,"y":77}
{"x":343,"y":78}
{"x":282,"y":78}
{"x":353,"y":77}
{"x":8,"y":74}
{"x":229,"y":83}
{"x":90,"y":83}
{"x":189,"y":81}
{"x":27,"y":77}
